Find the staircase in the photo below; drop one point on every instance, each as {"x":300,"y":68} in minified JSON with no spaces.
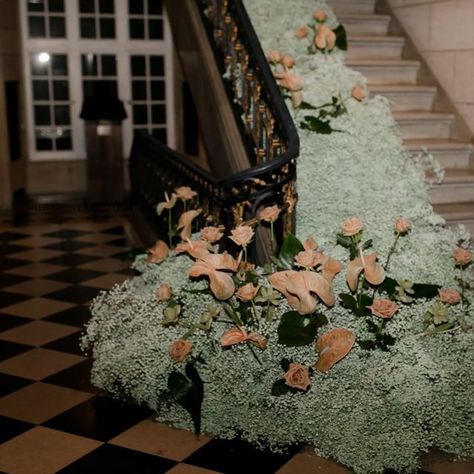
{"x":379,"y":57}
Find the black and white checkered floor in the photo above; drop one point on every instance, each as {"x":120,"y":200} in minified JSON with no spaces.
{"x":51,"y":418}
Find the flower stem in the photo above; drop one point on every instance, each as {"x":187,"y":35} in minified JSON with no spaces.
{"x":170,"y":226}
{"x":272,"y":238}
{"x":254,"y":354}
{"x":268,"y":317}
{"x":390,"y":252}
{"x":245,"y":253}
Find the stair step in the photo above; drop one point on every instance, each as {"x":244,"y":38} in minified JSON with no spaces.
{"x":420,"y":125}
{"x":456,"y":188}
{"x":406,"y":98}
{"x":365,"y":25}
{"x":375,"y":47}
{"x":449,"y":153}
{"x":386,"y":71}
{"x":344,"y":7}
{"x":456,"y":212}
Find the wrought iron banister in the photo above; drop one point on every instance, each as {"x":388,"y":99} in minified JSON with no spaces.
{"x":267,"y":125}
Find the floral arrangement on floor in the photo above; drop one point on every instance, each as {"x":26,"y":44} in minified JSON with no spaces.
{"x":357,"y":340}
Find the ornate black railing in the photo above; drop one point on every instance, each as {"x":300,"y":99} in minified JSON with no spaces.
{"x":267,"y":126}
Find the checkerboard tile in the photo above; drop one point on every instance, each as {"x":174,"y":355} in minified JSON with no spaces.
{"x":51,"y":418}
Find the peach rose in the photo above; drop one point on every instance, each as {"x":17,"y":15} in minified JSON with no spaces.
{"x":288,"y":61}
{"x":163,"y":292}
{"x":274,"y":56}
{"x":289,"y":81}
{"x":449,"y":295}
{"x":242,"y":235}
{"x":383,"y":308}
{"x":462,"y":256}
{"x":309,"y":258}
{"x":211,"y":234}
{"x":351,"y":226}
{"x":297,"y":376}
{"x":185,"y":193}
{"x":258,"y":340}
{"x":247,"y":292}
{"x":358,"y":93}
{"x":302,"y":32}
{"x":320,"y":15}
{"x":158,"y":253}
{"x":325,"y":38}
{"x":402,"y":226}
{"x":233,"y":336}
{"x":269,"y":214}
{"x":180,"y":349}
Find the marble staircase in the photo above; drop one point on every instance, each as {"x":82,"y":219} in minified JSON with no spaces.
{"x":379,"y":56}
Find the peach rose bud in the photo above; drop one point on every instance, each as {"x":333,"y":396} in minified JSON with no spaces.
{"x":297,"y":376}
{"x":462,"y":256}
{"x":383,"y":308}
{"x":302,"y":32}
{"x":211,"y":234}
{"x":247,"y":292}
{"x":180,"y":349}
{"x":242,"y":235}
{"x":158,"y":253}
{"x":320,"y":15}
{"x":274,"y":56}
{"x":163,"y":292}
{"x":402,"y":226}
{"x":449,"y":296}
{"x":288,"y":61}
{"x":358,"y":93}
{"x":308,"y":258}
{"x":310,"y":243}
{"x":269,"y":214}
{"x":351,"y":226}
{"x":185,"y":193}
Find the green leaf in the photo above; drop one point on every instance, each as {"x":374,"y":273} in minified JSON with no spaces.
{"x":245,"y":313}
{"x":358,"y":307}
{"x":383,"y":341}
{"x":296,"y":330}
{"x":372,"y":326}
{"x":423,"y":290}
{"x":279,"y":388}
{"x":341,"y":37}
{"x":348,"y":302}
{"x":364,"y":301}
{"x":367,"y":244}
{"x":314,"y":124}
{"x":307,"y":106}
{"x":285,"y":364}
{"x":344,"y":240}
{"x":188,"y":392}
{"x":289,"y":249}
{"x":443,"y":327}
{"x":367,"y":345}
{"x":388,"y":286}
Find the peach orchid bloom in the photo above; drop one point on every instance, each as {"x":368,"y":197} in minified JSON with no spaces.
{"x":310,"y":243}
{"x":373,"y":272}
{"x":195,"y":248}
{"x":233,"y":336}
{"x":158,"y":253}
{"x":185,"y":222}
{"x":185,"y":193}
{"x":325,"y":37}
{"x":289,"y":81}
{"x":309,"y":259}
{"x":258,"y":340}
{"x":331,"y":267}
{"x":333,"y":346}
{"x":167,"y":204}
{"x":221,"y":283}
{"x":298,"y":286}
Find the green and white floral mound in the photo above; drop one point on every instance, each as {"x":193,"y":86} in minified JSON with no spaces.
{"x":406,"y":385}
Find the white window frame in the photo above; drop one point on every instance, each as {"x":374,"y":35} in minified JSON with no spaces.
{"x":73,"y":46}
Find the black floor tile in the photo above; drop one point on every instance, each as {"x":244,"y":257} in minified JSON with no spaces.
{"x":69,"y":344}
{"x":68,"y":246}
{"x":77,"y":316}
{"x":8,"y":321}
{"x":10,"y":428}
{"x":77,"y":377}
{"x":66,"y":233}
{"x":11,"y":383}
{"x":74,"y":294}
{"x":7,"y":299}
{"x":109,"y":459}
{"x":11,"y":236}
{"x":99,"y":418}
{"x":8,"y":280}
{"x":118,"y":230}
{"x":74,"y":275}
{"x":236,"y":457}
{"x":71,"y":259}
{"x":9,"y":263}
{"x":129,"y":271}
{"x":6,"y":249}
{"x":9,"y":349}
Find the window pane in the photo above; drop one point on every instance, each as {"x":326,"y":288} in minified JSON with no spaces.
{"x":139,"y":90}
{"x":35,"y":5}
{"x":140,"y":114}
{"x":61,"y":115}
{"x":160,"y":134}
{"x":56,"y":6}
{"x":86,"y":6}
{"x":36,"y":27}
{"x":155,"y":7}
{"x":42,"y":115}
{"x":89,"y":64}
{"x":137,"y":28}
{"x":40,"y":90}
{"x":44,"y":144}
{"x":157,"y":67}
{"x":107,"y":28}
{"x":157,"y":90}
{"x":158,"y":114}
{"x":59,"y":65}
{"x":38,"y":68}
{"x":87,"y":26}
{"x":88,"y":88}
{"x":138,"y":66}
{"x":57,"y":28}
{"x":106,"y":6}
{"x":60,"y":90}
{"x":155,"y":29}
{"x":135,"y":7}
{"x":109,"y":65}
{"x":64,"y":143}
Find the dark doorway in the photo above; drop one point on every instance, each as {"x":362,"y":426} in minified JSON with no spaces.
{"x":13,"y":118}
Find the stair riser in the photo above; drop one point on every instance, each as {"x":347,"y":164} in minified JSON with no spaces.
{"x":388,"y":74}
{"x":468,"y":224}
{"x":365,"y":27}
{"x":452,"y":193}
{"x":452,"y":159}
{"x":420,"y":129}
{"x":344,"y":7}
{"x":374,"y":50}
{"x":404,"y":102}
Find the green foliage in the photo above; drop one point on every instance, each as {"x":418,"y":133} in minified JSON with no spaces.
{"x":341,"y":37}
{"x":357,"y":305}
{"x":315,"y":124}
{"x":296,"y":330}
{"x":288,"y":251}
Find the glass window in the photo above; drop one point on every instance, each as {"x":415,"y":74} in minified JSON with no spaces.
{"x":145,"y":19}
{"x":46,"y":19}
{"x":99,"y":71}
{"x":97,"y":19}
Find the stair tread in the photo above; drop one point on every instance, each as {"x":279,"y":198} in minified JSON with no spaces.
{"x":382,"y":62}
{"x":437,"y":144}
{"x":458,"y":175}
{"x":422,"y":116}
{"x":457,"y":211}
{"x":402,"y":88}
{"x":376,"y":39}
{"x":363,"y":16}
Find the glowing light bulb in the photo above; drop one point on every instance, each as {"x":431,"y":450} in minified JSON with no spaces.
{"x":44,"y":57}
